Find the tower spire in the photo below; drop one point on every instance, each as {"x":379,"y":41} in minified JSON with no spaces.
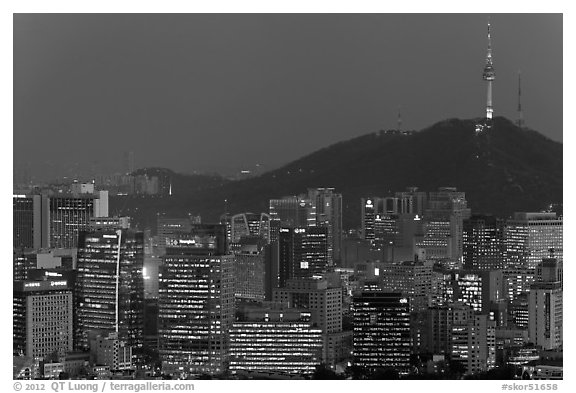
{"x":399,"y":119}
{"x":489,"y":75}
{"x":520,"y":121}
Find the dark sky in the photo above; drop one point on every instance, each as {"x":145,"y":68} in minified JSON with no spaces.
{"x":217,"y":92}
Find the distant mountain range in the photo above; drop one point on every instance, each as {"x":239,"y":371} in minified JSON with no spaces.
{"x":502,"y":169}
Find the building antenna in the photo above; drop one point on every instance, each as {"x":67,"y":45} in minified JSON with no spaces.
{"x":399,"y":119}
{"x":520,"y":122}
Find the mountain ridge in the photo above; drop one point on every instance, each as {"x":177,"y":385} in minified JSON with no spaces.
{"x":502,"y":169}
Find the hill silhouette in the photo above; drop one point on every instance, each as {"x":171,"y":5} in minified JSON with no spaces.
{"x":502,"y":169}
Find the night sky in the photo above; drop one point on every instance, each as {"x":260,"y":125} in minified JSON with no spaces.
{"x":222,"y":92}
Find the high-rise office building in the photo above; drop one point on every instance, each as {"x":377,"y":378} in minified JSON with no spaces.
{"x":518,"y":312}
{"x":329,"y":214}
{"x":109,"y":285}
{"x":250,"y":269}
{"x":165,"y":227}
{"x":196,"y":301}
{"x":381,"y":330}
{"x":517,"y":282}
{"x":412,"y":201}
{"x":302,"y":253}
{"x":443,"y":225}
{"x":293,"y":211}
{"x":484,"y":245}
{"x":545,"y":301}
{"x":42,"y":317}
{"x":30,"y":223}
{"x":531,"y":236}
{"x":275,"y":340}
{"x":379,"y":215}
{"x":412,"y":279}
{"x":249,"y":224}
{"x":473,"y":341}
{"x":68,"y":215}
{"x":478,"y":289}
{"x":317,"y":296}
{"x":439,"y":321}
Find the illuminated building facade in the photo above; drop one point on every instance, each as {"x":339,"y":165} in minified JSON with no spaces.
{"x":473,"y":341}
{"x":479,"y":288}
{"x":250,"y":269}
{"x":443,"y":225}
{"x":165,"y":227}
{"x":517,"y":282}
{"x":108,"y":350}
{"x":530,"y":236}
{"x":545,"y":300}
{"x":329,"y":214}
{"x":42,"y":318}
{"x":384,"y":219}
{"x":30,"y":221}
{"x":484,"y":245}
{"x":293,"y":211}
{"x":70,"y":214}
{"x":443,"y":291}
{"x":249,"y":224}
{"x":275,"y":340}
{"x":316,"y":296}
{"x":196,"y":301}
{"x":381,"y":330}
{"x":110,"y":285}
{"x":438,"y":336}
{"x":518,"y":312}
{"x":323,"y":299}
{"x":413,"y":279}
{"x":302,"y":253}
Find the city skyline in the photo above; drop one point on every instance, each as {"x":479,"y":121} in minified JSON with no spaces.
{"x":341,"y":76}
{"x":419,"y":236}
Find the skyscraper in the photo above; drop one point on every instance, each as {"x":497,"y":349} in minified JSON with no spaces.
{"x":473,"y":340}
{"x":302,"y":253}
{"x":196,"y":301}
{"x":443,"y":225}
{"x":329,"y":214}
{"x":545,"y":301}
{"x":165,"y":227}
{"x":110,"y":286}
{"x":483,"y":241}
{"x":381,"y":330}
{"x":250,"y":269}
{"x":531,"y":236}
{"x":249,"y":224}
{"x":42,"y":318}
{"x":412,"y":279}
{"x":293,"y":211}
{"x":30,"y":221}
{"x":316,"y":296}
{"x":70,"y":214}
